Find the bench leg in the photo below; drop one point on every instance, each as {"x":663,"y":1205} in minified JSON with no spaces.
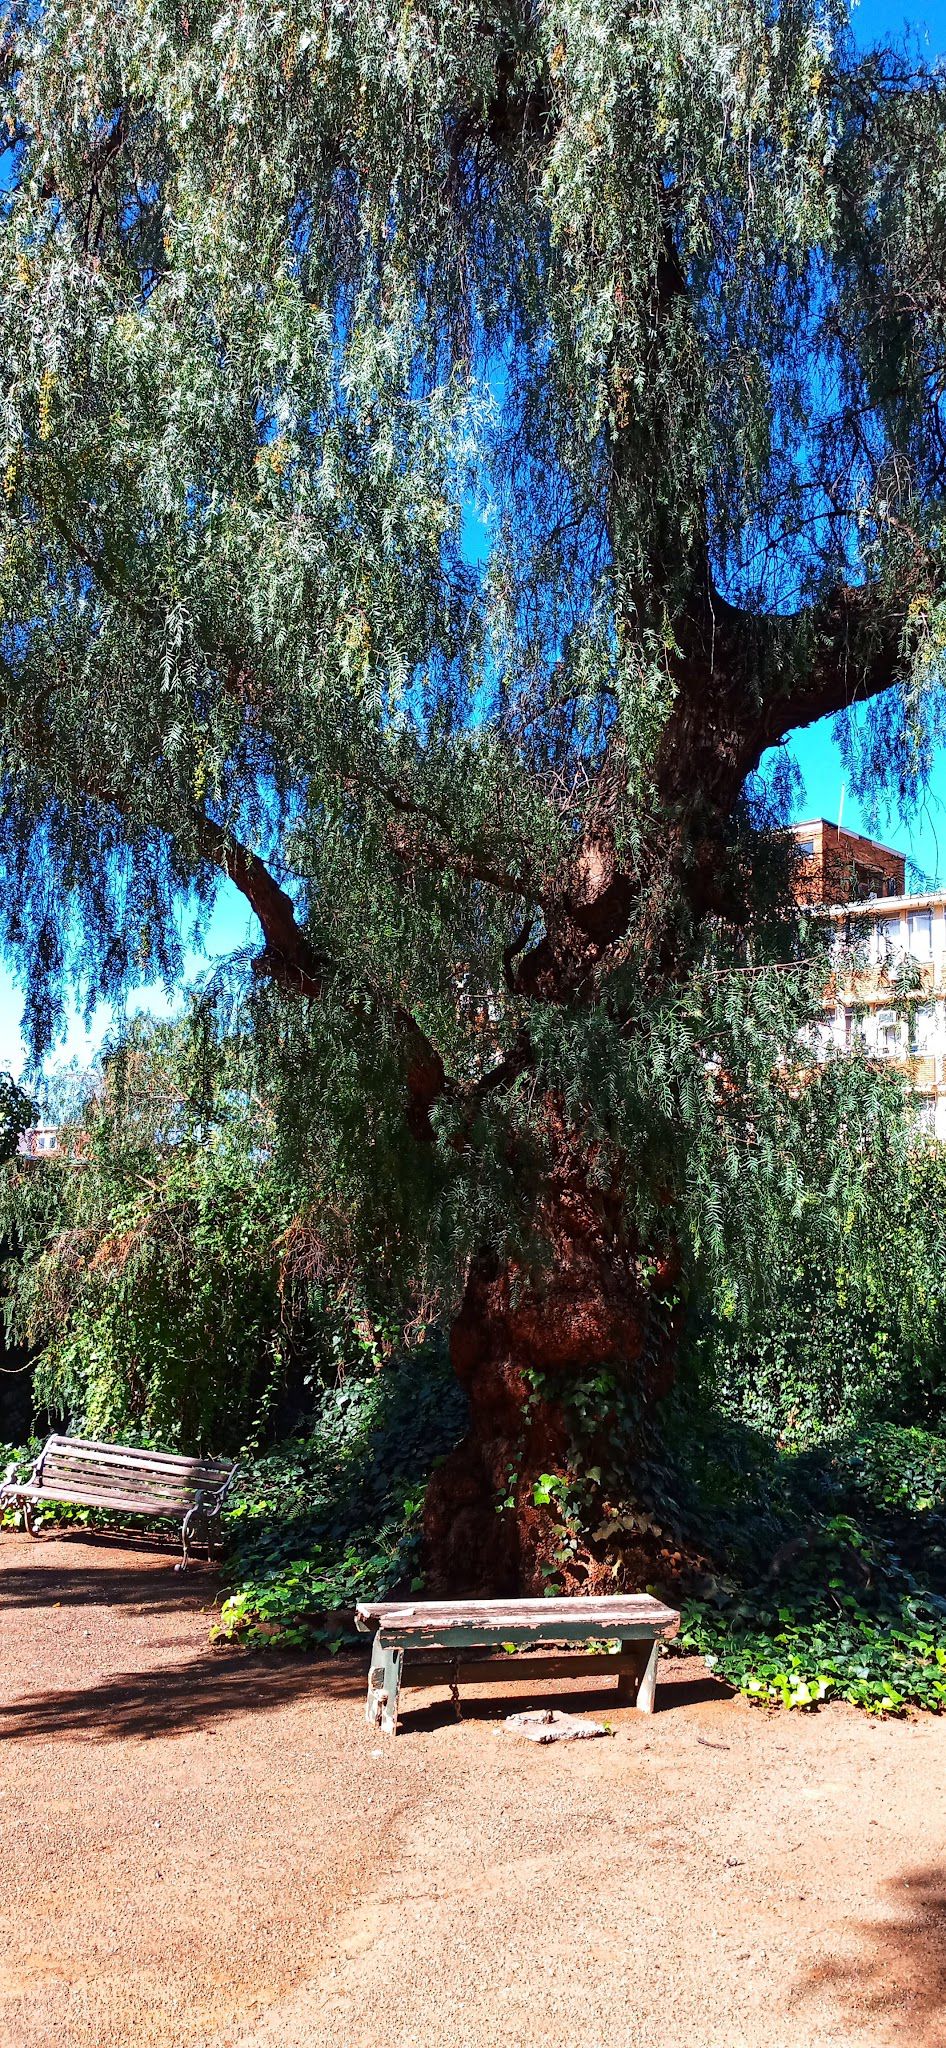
{"x":28,"y":1522}
{"x":188,"y":1529}
{"x":384,"y":1686}
{"x":194,"y":1528}
{"x":636,"y":1687}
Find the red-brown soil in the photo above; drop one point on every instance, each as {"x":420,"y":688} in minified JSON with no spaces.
{"x":201,"y":1850}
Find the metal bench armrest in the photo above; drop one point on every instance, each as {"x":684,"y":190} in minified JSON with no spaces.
{"x":14,"y":1483}
{"x":11,"y":1484}
{"x":219,"y":1494}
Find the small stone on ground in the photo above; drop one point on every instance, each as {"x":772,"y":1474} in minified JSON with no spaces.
{"x":553,"y":1727}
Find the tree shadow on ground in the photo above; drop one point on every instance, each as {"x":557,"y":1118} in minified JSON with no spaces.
{"x":900,"y":1976}
{"x":129,"y":1585}
{"x":136,"y":1706}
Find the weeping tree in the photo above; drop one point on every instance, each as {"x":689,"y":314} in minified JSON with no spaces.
{"x":445,"y":448}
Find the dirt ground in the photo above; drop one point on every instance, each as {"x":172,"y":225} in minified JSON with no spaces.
{"x":202,"y":1850}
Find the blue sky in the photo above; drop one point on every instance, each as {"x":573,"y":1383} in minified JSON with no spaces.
{"x":922,"y":837}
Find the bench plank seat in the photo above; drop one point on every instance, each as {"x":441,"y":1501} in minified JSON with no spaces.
{"x":82,"y":1472}
{"x":432,"y":1633}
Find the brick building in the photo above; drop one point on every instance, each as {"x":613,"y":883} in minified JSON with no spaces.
{"x":843,"y":867}
{"x":888,"y":990}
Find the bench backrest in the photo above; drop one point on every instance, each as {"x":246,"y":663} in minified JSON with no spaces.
{"x":77,"y":1464}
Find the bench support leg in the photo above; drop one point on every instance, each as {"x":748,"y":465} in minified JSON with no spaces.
{"x":214,"y":1538}
{"x":188,"y":1530}
{"x":193,"y":1528}
{"x":384,"y":1686}
{"x":636,"y":1687}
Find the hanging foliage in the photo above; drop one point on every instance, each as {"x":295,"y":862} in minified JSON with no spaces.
{"x":443,"y":449}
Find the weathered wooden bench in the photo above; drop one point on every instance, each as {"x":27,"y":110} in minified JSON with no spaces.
{"x":77,"y":1472}
{"x":434,"y":1633}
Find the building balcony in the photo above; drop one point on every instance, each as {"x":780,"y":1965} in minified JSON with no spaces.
{"x":925,"y":1070}
{"x":901,"y":980}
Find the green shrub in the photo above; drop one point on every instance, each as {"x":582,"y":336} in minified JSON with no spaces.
{"x":333,"y":1515}
{"x":846,"y":1332}
{"x":830,"y":1577}
{"x":165,"y":1269}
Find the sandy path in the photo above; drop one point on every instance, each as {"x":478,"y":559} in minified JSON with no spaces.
{"x":204,"y":1851}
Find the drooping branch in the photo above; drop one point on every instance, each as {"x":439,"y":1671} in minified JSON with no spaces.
{"x":290,"y":960}
{"x":418,"y":849}
{"x":422,"y":836}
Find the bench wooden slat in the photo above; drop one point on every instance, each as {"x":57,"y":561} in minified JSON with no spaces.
{"x":90,"y":1452}
{"x":115,"y":1502}
{"x":116,"y":1449}
{"x":62,"y":1489}
{"x":516,"y":1670}
{"x":95,"y":1495}
{"x":602,"y":1607}
{"x":103,"y":1475}
{"x":74,"y":1454}
{"x":466,"y":1638}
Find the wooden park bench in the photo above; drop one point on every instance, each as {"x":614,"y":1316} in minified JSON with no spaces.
{"x":77,"y":1472}
{"x":435,"y":1633}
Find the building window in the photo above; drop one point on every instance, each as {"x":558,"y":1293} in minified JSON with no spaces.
{"x":921,"y":935}
{"x":886,"y":938}
{"x":888,"y":1033}
{"x":807,"y":847}
{"x":925,"y":1033}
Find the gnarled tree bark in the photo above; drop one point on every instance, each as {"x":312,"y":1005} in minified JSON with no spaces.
{"x":525,"y":1337}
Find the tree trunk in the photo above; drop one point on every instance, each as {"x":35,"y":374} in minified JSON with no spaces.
{"x":593,"y":1303}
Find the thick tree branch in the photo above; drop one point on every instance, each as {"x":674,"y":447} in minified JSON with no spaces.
{"x":767,"y":677}
{"x":740,"y":689}
{"x":289,"y":958}
{"x":859,"y":655}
